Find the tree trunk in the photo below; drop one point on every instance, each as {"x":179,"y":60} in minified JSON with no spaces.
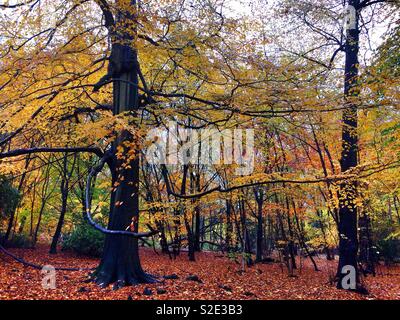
{"x":291,"y":247}
{"x":197,"y":219}
{"x":35,"y":235}
{"x":260,"y":229}
{"x":322,"y":226}
{"x":246,"y":247}
{"x":367,"y":253}
{"x":120,"y":263}
{"x":348,"y":241}
{"x":189,"y":231}
{"x":163,"y":239}
{"x":64,"y":198}
{"x":229,"y":226}
{"x":302,"y":241}
{"x":44,"y":197}
{"x":12,"y":216}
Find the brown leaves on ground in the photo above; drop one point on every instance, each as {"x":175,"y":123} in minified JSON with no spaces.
{"x":212,"y":276}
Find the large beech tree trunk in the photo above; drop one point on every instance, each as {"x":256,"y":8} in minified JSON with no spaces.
{"x":120,"y":263}
{"x":348,"y":241}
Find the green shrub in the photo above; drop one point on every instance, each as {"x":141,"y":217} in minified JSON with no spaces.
{"x":389,"y":250}
{"x":9,"y":197}
{"x":84,"y":240}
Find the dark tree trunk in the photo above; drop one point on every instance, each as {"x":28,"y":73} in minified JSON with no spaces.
{"x":246,"y":247}
{"x":22,"y":225}
{"x":367,"y":253}
{"x":197,"y":219}
{"x":348,"y":241}
{"x":120,"y":263}
{"x":291,"y":247}
{"x":229,"y":226}
{"x":163,"y":239}
{"x":9,"y":227}
{"x":329,"y":256}
{"x":35,"y":236}
{"x":12,"y":216}
{"x":64,"y":198}
{"x":302,"y":241}
{"x":189,"y":231}
{"x":191,"y":247}
{"x":260,"y":230}
{"x":281,"y":234}
{"x":44,"y":198}
{"x":57,"y":233}
{"x":32,"y":209}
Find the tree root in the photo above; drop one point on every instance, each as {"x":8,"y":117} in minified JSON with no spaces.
{"x":104,"y":279}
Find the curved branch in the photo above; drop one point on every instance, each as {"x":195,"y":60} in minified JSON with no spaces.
{"x":355,"y":174}
{"x":107,"y":13}
{"x":93,"y":173}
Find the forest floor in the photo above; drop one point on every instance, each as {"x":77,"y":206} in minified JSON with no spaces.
{"x":219,"y":278}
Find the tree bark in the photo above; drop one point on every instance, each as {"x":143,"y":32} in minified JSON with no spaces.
{"x":197,"y":219}
{"x":348,"y":241}
{"x":260,"y":230}
{"x":64,"y":189}
{"x":120,"y":263}
{"x":229,"y":226}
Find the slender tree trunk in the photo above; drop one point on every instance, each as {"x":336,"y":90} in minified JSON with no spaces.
{"x":13,"y":216}
{"x":44,"y":198}
{"x":22,"y":225}
{"x":189,"y":231}
{"x":197,"y":246}
{"x":190,"y":236}
{"x":35,"y":236}
{"x":246,"y":249}
{"x":163,"y":239}
{"x":291,"y":238}
{"x":64,"y":198}
{"x":367,"y":254}
{"x":395,"y":201}
{"x":281,"y":234}
{"x":322,"y":226}
{"x":302,"y":241}
{"x":229,"y":226}
{"x":32,"y":209}
{"x":260,"y":229}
